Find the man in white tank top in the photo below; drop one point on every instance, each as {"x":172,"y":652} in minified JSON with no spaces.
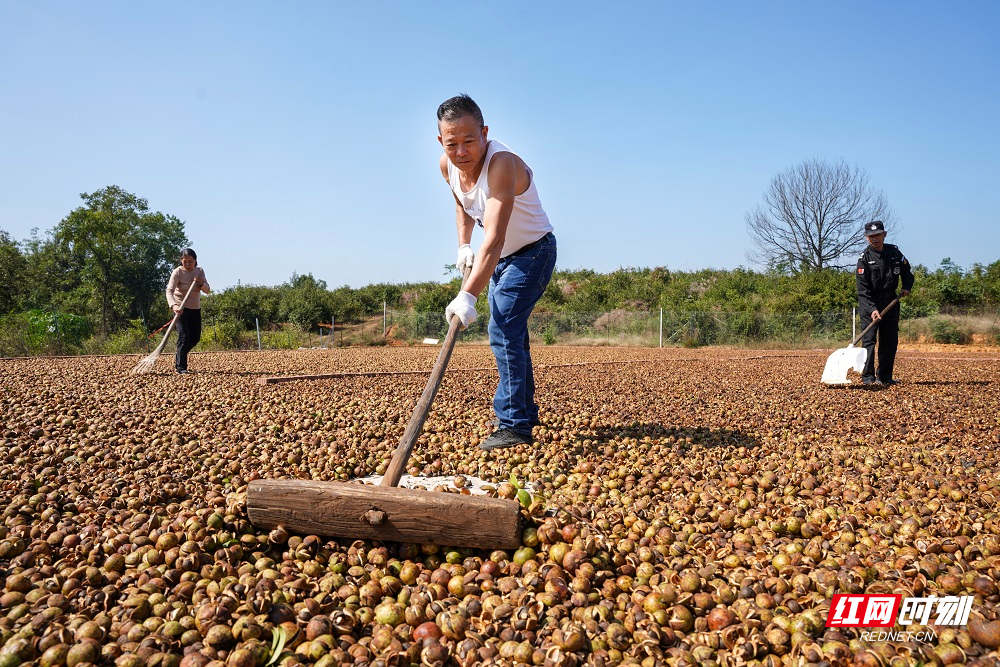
{"x":495,"y":189}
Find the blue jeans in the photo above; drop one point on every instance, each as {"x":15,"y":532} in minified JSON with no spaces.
{"x":516,"y":285}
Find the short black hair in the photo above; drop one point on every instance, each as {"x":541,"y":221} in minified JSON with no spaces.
{"x":188,"y":252}
{"x":458,"y":106}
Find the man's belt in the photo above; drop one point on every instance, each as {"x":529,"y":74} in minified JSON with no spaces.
{"x":533,"y":244}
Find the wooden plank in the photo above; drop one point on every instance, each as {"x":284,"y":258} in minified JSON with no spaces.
{"x":276,"y":379}
{"x":339,"y":509}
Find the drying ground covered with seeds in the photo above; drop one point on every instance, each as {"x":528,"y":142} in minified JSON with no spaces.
{"x":687,"y":507}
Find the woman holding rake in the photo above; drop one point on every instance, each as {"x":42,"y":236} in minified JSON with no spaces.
{"x":189,"y":322}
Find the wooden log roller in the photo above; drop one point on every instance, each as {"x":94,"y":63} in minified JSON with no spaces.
{"x":387,"y":512}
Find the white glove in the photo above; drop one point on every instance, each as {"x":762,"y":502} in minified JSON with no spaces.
{"x":465,"y":257}
{"x":464,"y":306}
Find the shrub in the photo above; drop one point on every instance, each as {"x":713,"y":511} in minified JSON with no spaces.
{"x":288,"y":337}
{"x":229,"y":333}
{"x":129,"y":340}
{"x":15,"y":336}
{"x":41,"y":332}
{"x":71,"y":330}
{"x":691,"y":339}
{"x":946,"y":331}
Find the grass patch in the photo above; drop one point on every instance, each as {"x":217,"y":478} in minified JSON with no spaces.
{"x":952,"y":329}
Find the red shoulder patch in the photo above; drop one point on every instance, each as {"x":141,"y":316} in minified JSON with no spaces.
{"x":861,"y":270}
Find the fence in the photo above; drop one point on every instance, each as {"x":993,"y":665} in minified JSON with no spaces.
{"x":47,"y":332}
{"x":623,"y":327}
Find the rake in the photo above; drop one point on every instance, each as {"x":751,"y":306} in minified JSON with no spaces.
{"x":386,"y":511}
{"x":148,"y":362}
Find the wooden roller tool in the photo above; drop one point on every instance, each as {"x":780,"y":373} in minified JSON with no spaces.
{"x":388,"y":512}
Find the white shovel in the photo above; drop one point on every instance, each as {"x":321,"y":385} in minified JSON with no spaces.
{"x":849,"y":357}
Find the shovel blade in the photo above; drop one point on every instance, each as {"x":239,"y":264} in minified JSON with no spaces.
{"x":841,"y":361}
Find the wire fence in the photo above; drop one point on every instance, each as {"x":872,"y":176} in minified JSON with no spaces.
{"x":53,"y":333}
{"x":651,"y":328}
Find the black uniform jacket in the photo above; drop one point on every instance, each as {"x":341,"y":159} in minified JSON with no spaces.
{"x":878,"y":276}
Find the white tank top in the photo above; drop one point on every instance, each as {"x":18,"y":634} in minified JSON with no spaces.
{"x":528,"y":221}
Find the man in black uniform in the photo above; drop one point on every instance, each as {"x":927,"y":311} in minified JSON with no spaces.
{"x":880,"y":267}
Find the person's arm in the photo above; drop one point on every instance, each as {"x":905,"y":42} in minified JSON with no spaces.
{"x":865,"y":301}
{"x":202,"y":281}
{"x":502,"y":179}
{"x":463,"y":221}
{"x":171,"y":286}
{"x":907,"y":275}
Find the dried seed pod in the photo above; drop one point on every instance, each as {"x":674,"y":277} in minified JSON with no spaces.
{"x":985,"y":633}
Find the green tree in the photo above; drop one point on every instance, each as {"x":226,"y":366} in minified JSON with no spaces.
{"x":125,"y":252}
{"x":13,"y":274}
{"x":989,"y":280}
{"x":955,"y":287}
{"x":435,"y":299}
{"x":243,"y":303}
{"x":54,"y":277}
{"x":373,"y":296}
{"x":304,"y":301}
{"x":345,"y":305}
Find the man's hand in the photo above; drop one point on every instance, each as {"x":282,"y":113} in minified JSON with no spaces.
{"x":465,"y":258}
{"x":464,"y":307}
{"x":876,"y":316}
{"x":903,"y":293}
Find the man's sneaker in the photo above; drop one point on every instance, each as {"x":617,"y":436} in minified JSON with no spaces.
{"x":869,"y":382}
{"x":503,"y":438}
{"x":183,"y":371}
{"x":889,"y":383}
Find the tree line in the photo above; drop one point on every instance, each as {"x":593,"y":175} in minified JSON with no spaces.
{"x":306,"y":301}
{"x":102,"y":269}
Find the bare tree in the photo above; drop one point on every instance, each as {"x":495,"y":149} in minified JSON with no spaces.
{"x":812,"y":217}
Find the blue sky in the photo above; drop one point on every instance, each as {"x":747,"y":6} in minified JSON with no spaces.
{"x":301,"y":137}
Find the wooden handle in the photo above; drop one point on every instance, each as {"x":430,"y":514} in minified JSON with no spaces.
{"x":874,"y":322}
{"x":402,"y":454}
{"x":177,"y":315}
